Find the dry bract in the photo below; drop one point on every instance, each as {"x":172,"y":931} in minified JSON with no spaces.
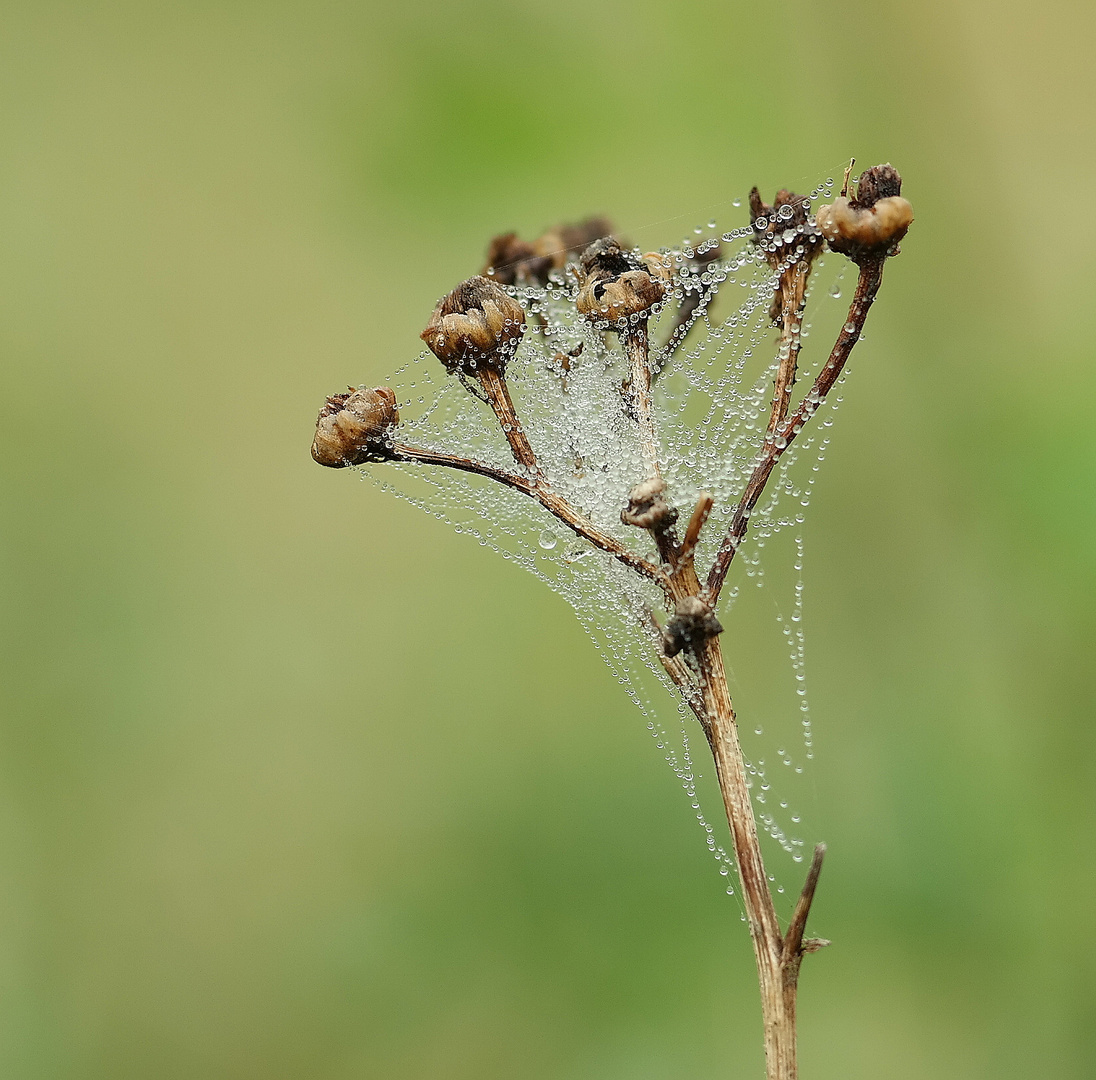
{"x":354,"y":428}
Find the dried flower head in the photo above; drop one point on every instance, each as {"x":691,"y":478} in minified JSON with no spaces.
{"x":790,"y":241}
{"x":615,"y":285}
{"x":355,"y":427}
{"x":476,"y":326}
{"x":871,"y":224}
{"x":511,"y":260}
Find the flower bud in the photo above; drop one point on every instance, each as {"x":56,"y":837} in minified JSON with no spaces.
{"x":476,"y":326}
{"x":616,"y":285}
{"x":354,"y":428}
{"x":871,"y":224}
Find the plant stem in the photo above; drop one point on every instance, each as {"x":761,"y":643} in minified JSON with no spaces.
{"x":778,"y":958}
{"x":793,"y":293}
{"x":638,"y":393}
{"x":498,"y":397}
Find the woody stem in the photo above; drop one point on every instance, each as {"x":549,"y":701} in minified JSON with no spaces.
{"x":793,"y":290}
{"x":778,"y":957}
{"x":498,"y":397}
{"x":638,"y":392}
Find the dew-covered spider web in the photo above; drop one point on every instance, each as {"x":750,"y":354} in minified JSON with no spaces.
{"x":712,"y":397}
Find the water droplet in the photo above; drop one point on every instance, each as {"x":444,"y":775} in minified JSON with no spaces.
{"x":548,"y":540}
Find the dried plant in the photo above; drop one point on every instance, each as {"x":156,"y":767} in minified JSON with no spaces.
{"x":572,"y":318}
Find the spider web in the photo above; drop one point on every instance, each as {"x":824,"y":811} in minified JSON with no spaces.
{"x":712,"y":398}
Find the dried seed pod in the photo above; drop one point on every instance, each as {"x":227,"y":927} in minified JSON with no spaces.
{"x":569,"y":241}
{"x":511,"y":260}
{"x":790,"y":241}
{"x":615,"y":285}
{"x":871,"y":224}
{"x":476,"y":326}
{"x":355,"y":427}
{"x":692,"y":624}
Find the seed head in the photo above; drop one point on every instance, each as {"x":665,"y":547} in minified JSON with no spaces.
{"x":476,"y":326}
{"x":771,"y":223}
{"x":871,"y":224}
{"x":355,"y":427}
{"x":790,"y":241}
{"x":511,"y":260}
{"x":614,"y":284}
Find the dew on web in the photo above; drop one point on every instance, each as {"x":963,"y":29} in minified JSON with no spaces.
{"x":714,"y":356}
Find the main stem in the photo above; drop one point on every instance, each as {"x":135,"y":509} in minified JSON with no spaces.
{"x":777,"y":957}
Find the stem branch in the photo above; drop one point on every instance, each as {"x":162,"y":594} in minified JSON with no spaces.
{"x":638,"y":392}
{"x":547,"y":498}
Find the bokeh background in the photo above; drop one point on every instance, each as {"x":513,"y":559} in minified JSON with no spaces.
{"x":298,"y":783}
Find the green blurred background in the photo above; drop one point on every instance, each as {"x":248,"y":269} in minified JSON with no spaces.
{"x":298,"y":783}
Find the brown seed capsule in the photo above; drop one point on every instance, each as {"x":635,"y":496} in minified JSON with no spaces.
{"x":476,"y":326}
{"x":871,"y":224}
{"x":614,"y":284}
{"x":354,"y":428}
{"x":568,"y":242}
{"x":790,"y":242}
{"x":511,"y":260}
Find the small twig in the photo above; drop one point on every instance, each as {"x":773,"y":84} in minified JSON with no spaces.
{"x":793,"y":939}
{"x":692,"y":531}
{"x":498,"y":397}
{"x":793,"y":289}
